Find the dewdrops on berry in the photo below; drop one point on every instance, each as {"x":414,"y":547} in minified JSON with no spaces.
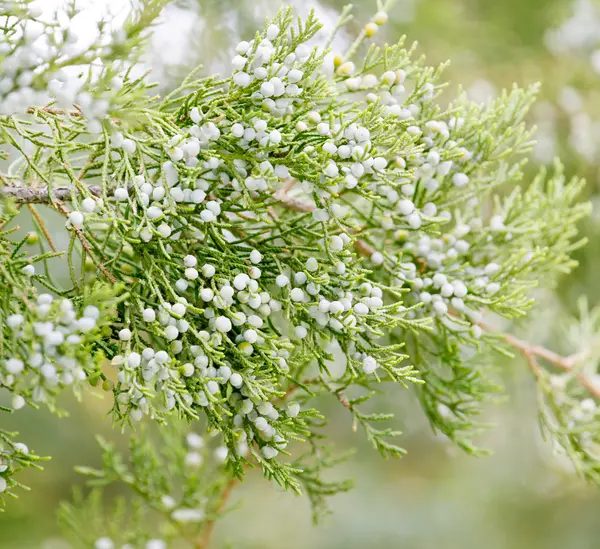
{"x":301,"y":126}
{"x":294,"y":76}
{"x":237,"y":130}
{"x":207,"y":294}
{"x":331,"y":170}
{"x":21,"y":448}
{"x":242,"y":47}
{"x":194,"y":441}
{"x":86,"y":324}
{"x":336,"y":244}
{"x":181,"y":285}
{"x":414,"y":220}
{"x":267,"y":89}
{"x":164,"y":230}
{"x":251,"y":336}
{"x":195,"y":115}
{"x":388,"y":77}
{"x":241,"y":281}
{"x":323,"y":128}
{"x":491,"y":269}
{"x":447,"y":290}
{"x":193,"y":459}
{"x":496,"y":222}
{"x":492,"y":288}
{"x":226,"y":292}
{"x":178,"y":309}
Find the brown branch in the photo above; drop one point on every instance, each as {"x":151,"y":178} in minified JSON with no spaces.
{"x":40,"y":195}
{"x":341,"y":396}
{"x":294,"y":203}
{"x":203,"y":542}
{"x":291,"y":203}
{"x":363,"y":248}
{"x":42,"y":226}
{"x":54,"y":110}
{"x":532,"y":352}
{"x":86,"y":245}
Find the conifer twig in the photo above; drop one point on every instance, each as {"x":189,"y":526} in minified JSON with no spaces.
{"x":204,"y":541}
{"x":533,"y":352}
{"x":31,"y":195}
{"x":42,"y":226}
{"x":54,"y":110}
{"x":87,"y":247}
{"x":40,"y":195}
{"x":300,"y":206}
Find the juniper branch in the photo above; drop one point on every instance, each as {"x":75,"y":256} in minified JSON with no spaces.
{"x":205,"y":540}
{"x":532,"y":352}
{"x":239,"y":283}
{"x":43,"y":195}
{"x":87,"y":247}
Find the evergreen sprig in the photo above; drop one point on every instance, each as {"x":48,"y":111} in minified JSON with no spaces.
{"x":250,"y":242}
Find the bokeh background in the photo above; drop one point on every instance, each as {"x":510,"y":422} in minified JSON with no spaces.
{"x":520,"y":497}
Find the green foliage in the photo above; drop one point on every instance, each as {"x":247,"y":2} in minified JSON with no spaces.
{"x":172,"y":489}
{"x":567,"y":406}
{"x":14,"y":457}
{"x":291,"y":230}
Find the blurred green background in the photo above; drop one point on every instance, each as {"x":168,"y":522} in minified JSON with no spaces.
{"x":521,"y":497}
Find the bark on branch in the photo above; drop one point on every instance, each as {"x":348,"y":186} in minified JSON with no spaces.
{"x":40,"y":195}
{"x":533,"y":352}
